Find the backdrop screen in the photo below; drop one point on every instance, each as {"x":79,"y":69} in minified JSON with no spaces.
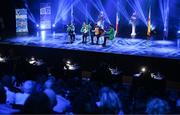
{"x":45,"y":16}
{"x":21,"y":20}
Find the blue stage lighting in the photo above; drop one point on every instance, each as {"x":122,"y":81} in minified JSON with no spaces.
{"x":54,"y":25}
{"x":42,"y":27}
{"x":178,"y":32}
{"x":153,"y":27}
{"x":43,"y":35}
{"x":37,"y":25}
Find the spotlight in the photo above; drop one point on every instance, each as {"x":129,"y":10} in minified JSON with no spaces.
{"x":43,"y":35}
{"x":68,"y":62}
{"x":143,"y":69}
{"x":153,"y":27}
{"x":32,"y":60}
{"x":42,"y":26}
{"x":2,"y":59}
{"x":54,"y":25}
{"x":178,"y":32}
{"x":37,"y":25}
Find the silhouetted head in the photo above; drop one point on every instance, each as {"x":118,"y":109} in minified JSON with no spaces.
{"x":28,"y":86}
{"x":109,"y":101}
{"x":37,"y":103}
{"x":157,"y":106}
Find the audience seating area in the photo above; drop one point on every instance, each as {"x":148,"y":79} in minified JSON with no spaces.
{"x":31,"y":85}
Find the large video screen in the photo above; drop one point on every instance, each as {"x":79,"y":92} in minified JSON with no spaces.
{"x":21,"y":20}
{"x":45,"y":16}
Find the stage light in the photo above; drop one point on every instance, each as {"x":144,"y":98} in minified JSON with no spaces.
{"x":42,"y":26}
{"x":68,"y":62}
{"x":54,"y":33}
{"x":2,"y":59}
{"x":32,"y":60}
{"x":37,"y":25}
{"x":178,"y":32}
{"x":54,"y":25}
{"x":153,"y":27}
{"x":43,"y":35}
{"x":143,"y":69}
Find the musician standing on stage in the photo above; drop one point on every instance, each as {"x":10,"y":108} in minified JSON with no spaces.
{"x":97,"y":33}
{"x":91,"y":33}
{"x":85,"y":32}
{"x":71,"y":32}
{"x":110,"y":34}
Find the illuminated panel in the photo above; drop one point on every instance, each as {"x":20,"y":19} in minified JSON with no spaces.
{"x":45,"y":16}
{"x":21,"y":20}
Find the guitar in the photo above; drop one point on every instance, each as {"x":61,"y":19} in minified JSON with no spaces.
{"x":84,"y":29}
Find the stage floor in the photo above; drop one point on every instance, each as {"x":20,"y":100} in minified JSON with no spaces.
{"x":125,"y":46}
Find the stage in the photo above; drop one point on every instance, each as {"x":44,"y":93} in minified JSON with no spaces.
{"x":122,"y":46}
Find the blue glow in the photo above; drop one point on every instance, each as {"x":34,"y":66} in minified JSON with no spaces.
{"x":121,"y":8}
{"x":43,"y":36}
{"x":37,"y":25}
{"x":63,"y":9}
{"x":30,"y":15}
{"x":42,"y":27}
{"x":178,"y":43}
{"x":153,"y":27}
{"x":164,"y":42}
{"x":139,"y":47}
{"x":137,"y":6}
{"x":54,"y":25}
{"x":164,"y":8}
{"x":178,"y":32}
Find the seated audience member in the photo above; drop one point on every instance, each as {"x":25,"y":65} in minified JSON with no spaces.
{"x":37,"y":103}
{"x":52,"y":96}
{"x":63,"y":105}
{"x":49,"y":83}
{"x":109,"y":102}
{"x":27,"y":89}
{"x":5,"y":108}
{"x":7,"y":81}
{"x":157,"y":106}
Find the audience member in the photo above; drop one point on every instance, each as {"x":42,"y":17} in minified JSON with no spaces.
{"x":109,"y":102}
{"x":157,"y":106}
{"x":37,"y":103}
{"x":27,"y":89}
{"x":5,"y":108}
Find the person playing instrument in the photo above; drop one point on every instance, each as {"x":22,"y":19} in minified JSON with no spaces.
{"x":110,"y":34}
{"x":97,"y":33}
{"x":71,"y":32}
{"x":91,"y":33}
{"x":85,"y":30}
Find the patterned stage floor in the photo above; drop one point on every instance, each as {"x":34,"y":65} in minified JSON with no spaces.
{"x":126,"y":46}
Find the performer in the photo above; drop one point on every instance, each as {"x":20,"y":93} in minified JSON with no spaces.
{"x":97,"y":33}
{"x":100,"y":21}
{"x":91,"y":33}
{"x":85,"y":30}
{"x":71,"y":32}
{"x":110,"y":34}
{"x":133,"y":23}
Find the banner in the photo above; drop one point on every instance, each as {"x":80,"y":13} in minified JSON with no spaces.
{"x":21,"y":20}
{"x":45,"y":16}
